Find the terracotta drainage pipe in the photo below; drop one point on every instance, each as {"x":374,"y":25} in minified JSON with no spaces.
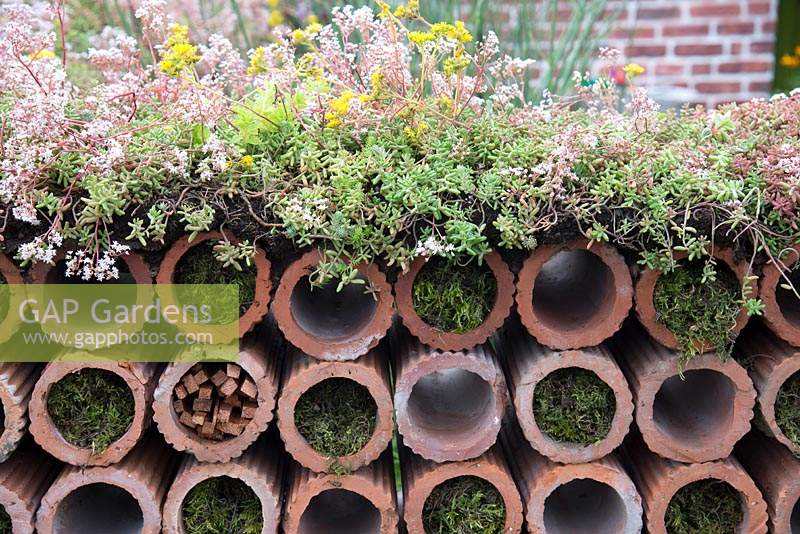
{"x":263,"y":283}
{"x":596,"y":497}
{"x":774,"y":470}
{"x":695,"y":418}
{"x":11,"y":276}
{"x":421,"y":477}
{"x":449,"y":405}
{"x":571,"y":296}
{"x":504,"y":298}
{"x":261,"y":468}
{"x":781,"y":305}
{"x":23,"y":480}
{"x":260,"y":359}
{"x":646,"y":310}
{"x":528,"y":363}
{"x":124,"y":497}
{"x":301,"y":373}
{"x":16,"y":384}
{"x":774,"y":362}
{"x":329,"y":324}
{"x":359,"y":502}
{"x":141,"y":378}
{"x":659,"y":479}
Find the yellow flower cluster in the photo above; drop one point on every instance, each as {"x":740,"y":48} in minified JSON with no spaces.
{"x":247,"y":161}
{"x":415,"y":135}
{"x":632,"y":70}
{"x":179,"y":53}
{"x":376,"y":83}
{"x":298,"y":36}
{"x":791,"y":61}
{"x":43,"y":54}
{"x":455,"y":32}
{"x":339,"y":108}
{"x":408,"y":11}
{"x":258,"y":64}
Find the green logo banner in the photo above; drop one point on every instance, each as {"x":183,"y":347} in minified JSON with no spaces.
{"x":127,"y":322}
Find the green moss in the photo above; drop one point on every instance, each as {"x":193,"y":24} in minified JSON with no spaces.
{"x":5,"y":521}
{"x":707,"y":506}
{"x":337,"y":417}
{"x":200,"y":266}
{"x":573,"y":405}
{"x":464,"y":505}
{"x":699,"y":311}
{"x":452,"y":297}
{"x":91,"y":408}
{"x":222,"y":505}
{"x":787,"y":408}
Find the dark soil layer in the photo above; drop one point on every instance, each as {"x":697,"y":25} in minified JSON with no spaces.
{"x":200,"y":266}
{"x":573,"y":405}
{"x":464,"y":505}
{"x":337,"y":417}
{"x":222,"y":505}
{"x":707,"y":506}
{"x":91,"y":408}
{"x":787,"y":408}
{"x":697,"y":311}
{"x":452,"y":297}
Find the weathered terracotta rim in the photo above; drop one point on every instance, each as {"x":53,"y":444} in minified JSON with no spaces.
{"x":293,"y":388}
{"x":15,"y":396}
{"x":753,"y":505}
{"x":46,"y":434}
{"x":604,"y":323}
{"x":606,"y":370}
{"x":205,"y":450}
{"x":768,"y":395}
{"x":771,"y":279}
{"x":326,"y":349}
{"x":504,"y":298}
{"x":646,"y":310}
{"x":423,"y":441}
{"x":667,"y":446}
{"x":263,"y":282}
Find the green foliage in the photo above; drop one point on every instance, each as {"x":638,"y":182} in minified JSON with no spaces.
{"x":787,"y":408}
{"x":337,"y":417}
{"x":707,"y":506}
{"x":91,"y":408}
{"x":699,"y":304}
{"x":5,"y":522}
{"x":454,"y":297}
{"x":222,"y":505}
{"x":573,"y":405}
{"x":464,"y":505}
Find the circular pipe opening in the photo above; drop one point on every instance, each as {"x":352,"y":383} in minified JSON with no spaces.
{"x":91,"y":408}
{"x":98,"y":508}
{"x":329,"y":314}
{"x":707,"y":505}
{"x":572,"y":288}
{"x":794,"y":522}
{"x":221,"y":504}
{"x":337,"y":417}
{"x":340,"y":511}
{"x":696,"y":409}
{"x":584,"y":505}
{"x":464,"y":504}
{"x":787,"y":301}
{"x":450,"y":403}
{"x":787,"y":408}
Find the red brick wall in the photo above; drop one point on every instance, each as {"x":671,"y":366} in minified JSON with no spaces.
{"x":701,"y":51}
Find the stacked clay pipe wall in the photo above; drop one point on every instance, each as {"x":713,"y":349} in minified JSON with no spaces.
{"x":449,"y":405}
{"x":696,"y":414}
{"x":574,"y":295}
{"x":16,"y":385}
{"x":528,"y":363}
{"x":781,"y":303}
{"x":24,"y":477}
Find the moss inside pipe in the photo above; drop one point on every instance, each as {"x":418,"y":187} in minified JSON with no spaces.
{"x":699,"y":305}
{"x":787,"y":408}
{"x":464,"y":505}
{"x":222,"y":505}
{"x":200,"y":266}
{"x":573,"y":405}
{"x":454,"y":297}
{"x":5,"y":521}
{"x":709,"y":506}
{"x":91,"y":408}
{"x":337,"y":417}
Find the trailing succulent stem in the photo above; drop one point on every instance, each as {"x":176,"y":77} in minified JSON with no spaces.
{"x":787,"y":408}
{"x":454,"y":297}
{"x":709,"y":506}
{"x":91,"y":408}
{"x":222,"y":505}
{"x":573,"y":405}
{"x":464,"y":505}
{"x":337,"y":417}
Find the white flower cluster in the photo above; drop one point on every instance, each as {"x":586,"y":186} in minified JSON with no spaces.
{"x":433,"y":246}
{"x":40,"y":249}
{"x":89,"y":266}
